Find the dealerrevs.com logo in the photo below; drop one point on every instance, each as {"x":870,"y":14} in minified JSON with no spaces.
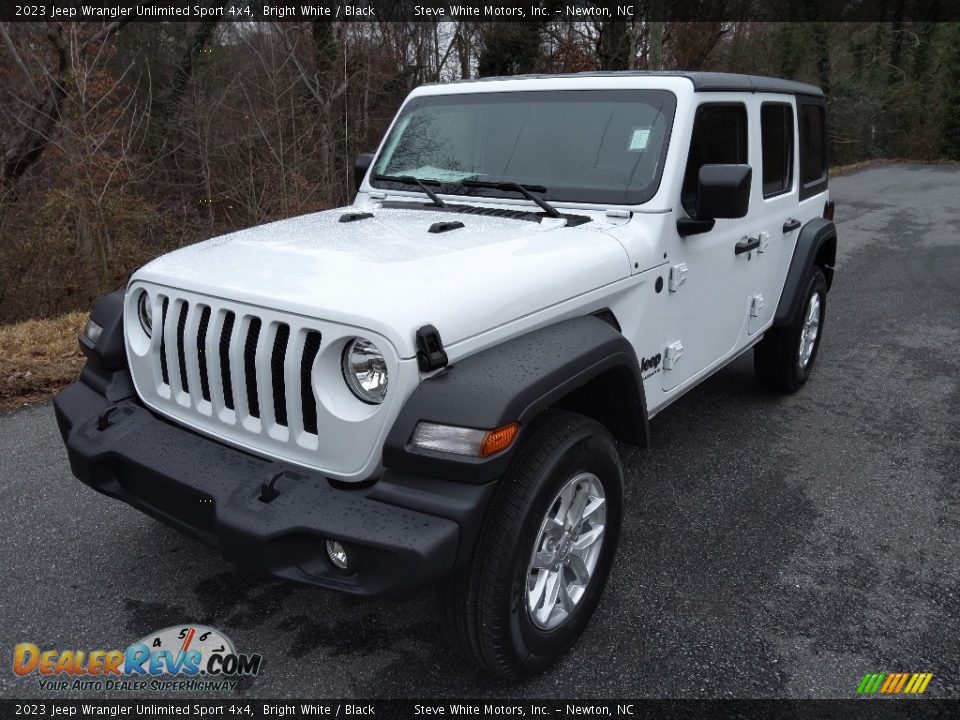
{"x":187,"y":658}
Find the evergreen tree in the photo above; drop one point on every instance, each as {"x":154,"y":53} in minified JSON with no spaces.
{"x":509,"y":48}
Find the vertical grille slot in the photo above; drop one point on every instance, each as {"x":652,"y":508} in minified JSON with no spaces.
{"x":250,"y":366}
{"x":164,"y":371}
{"x":202,"y":352}
{"x":311,"y":346}
{"x":225,"y":336}
{"x":276,"y":371}
{"x":181,"y":349}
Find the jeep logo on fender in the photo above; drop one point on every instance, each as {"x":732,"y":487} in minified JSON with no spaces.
{"x":650,"y":363}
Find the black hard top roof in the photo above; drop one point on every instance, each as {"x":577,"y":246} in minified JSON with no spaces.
{"x":702,"y":81}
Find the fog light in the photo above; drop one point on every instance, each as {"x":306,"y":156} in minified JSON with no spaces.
{"x":338,"y":555}
{"x":92,"y":331}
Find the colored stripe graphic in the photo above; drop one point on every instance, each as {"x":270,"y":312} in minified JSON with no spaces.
{"x":894,"y":683}
{"x":871,"y":683}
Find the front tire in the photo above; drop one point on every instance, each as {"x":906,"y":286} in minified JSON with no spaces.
{"x":545,"y":552}
{"x":784,"y":358}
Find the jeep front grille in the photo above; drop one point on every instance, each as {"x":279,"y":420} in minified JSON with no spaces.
{"x":186,"y":370}
{"x":261,"y":379}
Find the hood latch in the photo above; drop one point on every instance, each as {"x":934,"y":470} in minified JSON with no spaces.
{"x":430,"y":352}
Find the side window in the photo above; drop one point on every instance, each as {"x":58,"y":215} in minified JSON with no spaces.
{"x":776,"y":136}
{"x":813,"y":149}
{"x":719,"y":138}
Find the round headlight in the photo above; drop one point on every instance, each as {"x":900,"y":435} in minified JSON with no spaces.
{"x":365,"y":371}
{"x":145,"y":313}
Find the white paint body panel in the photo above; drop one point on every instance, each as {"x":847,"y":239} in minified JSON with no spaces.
{"x":390,"y":276}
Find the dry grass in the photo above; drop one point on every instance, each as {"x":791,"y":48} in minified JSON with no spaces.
{"x":38,"y":357}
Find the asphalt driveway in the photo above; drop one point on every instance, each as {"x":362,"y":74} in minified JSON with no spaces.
{"x":773,"y":547}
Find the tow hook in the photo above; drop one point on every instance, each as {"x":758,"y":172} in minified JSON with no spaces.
{"x":103,"y":421}
{"x":268,"y":493}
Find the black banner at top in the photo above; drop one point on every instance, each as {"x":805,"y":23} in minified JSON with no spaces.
{"x":482,"y":11}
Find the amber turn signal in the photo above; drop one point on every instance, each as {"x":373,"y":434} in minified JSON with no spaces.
{"x":499,"y":439}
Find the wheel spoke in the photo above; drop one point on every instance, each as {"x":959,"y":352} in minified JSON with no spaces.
{"x":543,"y":560}
{"x":566,"y":602}
{"x":554,"y":581}
{"x":595,"y":504}
{"x":579,"y":570}
{"x":575,"y":513}
{"x":566,"y":499}
{"x":553,"y":528}
{"x":535,"y":594}
{"x":586,"y":541}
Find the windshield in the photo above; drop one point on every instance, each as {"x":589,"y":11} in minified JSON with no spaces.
{"x":591,"y":146}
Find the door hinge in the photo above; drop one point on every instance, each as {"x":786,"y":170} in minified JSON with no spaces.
{"x":756,"y":304}
{"x":764,"y":242}
{"x":672,"y":353}
{"x":678,"y":276}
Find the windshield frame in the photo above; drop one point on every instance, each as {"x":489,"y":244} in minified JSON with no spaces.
{"x":574,"y":196}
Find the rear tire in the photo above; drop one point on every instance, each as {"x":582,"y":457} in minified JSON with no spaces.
{"x":784,"y":358}
{"x":503,"y":612}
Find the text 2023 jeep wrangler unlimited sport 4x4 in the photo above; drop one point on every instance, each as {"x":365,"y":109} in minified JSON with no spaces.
{"x":426,"y":386}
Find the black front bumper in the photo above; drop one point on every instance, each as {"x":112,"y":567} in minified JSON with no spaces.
{"x":401,"y":531}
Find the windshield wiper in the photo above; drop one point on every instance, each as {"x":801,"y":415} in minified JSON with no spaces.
{"x":525,"y":190}
{"x":410,"y":180}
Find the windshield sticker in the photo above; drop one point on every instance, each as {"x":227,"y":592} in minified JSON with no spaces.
{"x":639,"y":139}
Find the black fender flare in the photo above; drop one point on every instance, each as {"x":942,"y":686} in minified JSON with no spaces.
{"x":106,"y":367}
{"x":514,"y":382}
{"x":109,"y":351}
{"x":818,"y":238}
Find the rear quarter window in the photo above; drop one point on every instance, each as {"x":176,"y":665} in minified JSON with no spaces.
{"x":813,"y":148}
{"x":776,"y":131}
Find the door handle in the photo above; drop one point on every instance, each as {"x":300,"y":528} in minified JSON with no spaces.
{"x":746,"y":245}
{"x":790,"y":225}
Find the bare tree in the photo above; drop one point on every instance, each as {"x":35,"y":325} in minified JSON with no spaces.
{"x":39,"y":120}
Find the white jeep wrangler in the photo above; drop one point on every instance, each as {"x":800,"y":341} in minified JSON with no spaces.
{"x":425,"y":387}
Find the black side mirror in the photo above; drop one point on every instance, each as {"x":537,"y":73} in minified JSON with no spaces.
{"x":360,"y":168}
{"x":723,"y":192}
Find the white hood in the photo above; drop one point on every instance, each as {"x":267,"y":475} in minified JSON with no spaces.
{"x":389,"y":274}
